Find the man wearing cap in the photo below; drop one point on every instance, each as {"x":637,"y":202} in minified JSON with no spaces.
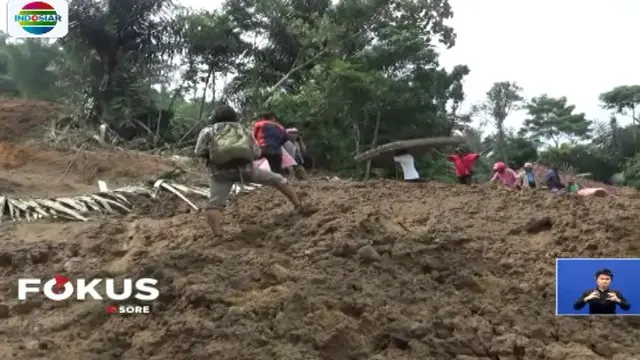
{"x":527,"y":178}
{"x":293,"y":146}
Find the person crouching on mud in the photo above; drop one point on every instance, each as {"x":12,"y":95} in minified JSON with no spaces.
{"x":229,"y":150}
{"x":505,"y":175}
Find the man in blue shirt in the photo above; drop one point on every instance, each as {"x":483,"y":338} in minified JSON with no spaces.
{"x":527,"y":178}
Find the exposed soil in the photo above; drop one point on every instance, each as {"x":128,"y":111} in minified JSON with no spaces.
{"x":384,"y":270}
{"x":36,"y":171}
{"x":19,"y":117}
{"x":27,"y":169}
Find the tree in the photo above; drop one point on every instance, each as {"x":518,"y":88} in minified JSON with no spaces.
{"x":213,"y":47}
{"x":519,"y":150}
{"x":8,"y":85}
{"x":503,"y":98}
{"x":26,"y":68}
{"x":378,"y":81}
{"x":30,"y":66}
{"x":551,"y":119}
{"x":625,"y":100}
{"x":114,"y":50}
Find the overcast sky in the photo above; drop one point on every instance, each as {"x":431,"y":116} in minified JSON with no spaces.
{"x":572,"y":48}
{"x":575,"y":48}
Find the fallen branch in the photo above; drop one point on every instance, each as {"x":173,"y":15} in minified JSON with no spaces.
{"x":112,"y":202}
{"x":293,"y":71}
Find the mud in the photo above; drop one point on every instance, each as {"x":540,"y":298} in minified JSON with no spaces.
{"x":30,"y":170}
{"x":19,"y":117}
{"x":385,"y":270}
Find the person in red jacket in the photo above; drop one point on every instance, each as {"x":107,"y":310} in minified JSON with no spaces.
{"x":464,"y":161}
{"x":270,"y":136}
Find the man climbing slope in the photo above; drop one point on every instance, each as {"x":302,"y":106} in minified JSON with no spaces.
{"x":229,"y":150}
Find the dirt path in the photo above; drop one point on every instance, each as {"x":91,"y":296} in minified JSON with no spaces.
{"x":383,"y":271}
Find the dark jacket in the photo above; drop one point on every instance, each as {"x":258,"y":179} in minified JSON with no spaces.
{"x":553,"y":180}
{"x":601,"y":305}
{"x":270,"y":136}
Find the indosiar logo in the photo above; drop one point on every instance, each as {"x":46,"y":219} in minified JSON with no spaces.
{"x":37,"y":19}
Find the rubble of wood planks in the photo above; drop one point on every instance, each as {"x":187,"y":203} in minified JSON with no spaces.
{"x":105,"y":201}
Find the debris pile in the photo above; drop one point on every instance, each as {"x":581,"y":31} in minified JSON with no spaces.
{"x":383,"y":270}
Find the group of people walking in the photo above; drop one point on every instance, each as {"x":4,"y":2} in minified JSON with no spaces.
{"x":234,"y":153}
{"x":267,"y":151}
{"x":464,"y":162}
{"x":282,"y":148}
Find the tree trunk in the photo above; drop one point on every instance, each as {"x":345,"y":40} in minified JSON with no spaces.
{"x":374,"y":142}
{"x":501,"y":143}
{"x":176,"y":92}
{"x":634,"y":121}
{"x":204,"y":93}
{"x":357,"y":139}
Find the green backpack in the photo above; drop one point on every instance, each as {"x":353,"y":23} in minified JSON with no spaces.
{"x":233,"y":143}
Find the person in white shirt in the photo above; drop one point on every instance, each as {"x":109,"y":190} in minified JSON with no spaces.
{"x":407,"y":163}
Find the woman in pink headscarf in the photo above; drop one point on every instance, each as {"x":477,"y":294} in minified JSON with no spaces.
{"x":505,"y":175}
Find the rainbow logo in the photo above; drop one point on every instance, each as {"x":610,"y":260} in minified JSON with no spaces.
{"x":38,"y":18}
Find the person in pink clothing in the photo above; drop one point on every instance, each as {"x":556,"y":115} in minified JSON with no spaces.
{"x":505,"y":175}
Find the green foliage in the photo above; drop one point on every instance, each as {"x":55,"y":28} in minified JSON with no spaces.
{"x":25,"y":69}
{"x":631,"y":175}
{"x":114,"y":49}
{"x":552,"y":119}
{"x":622,"y":99}
{"x":582,"y":159}
{"x":517,"y":149}
{"x":350,"y":74}
{"x":503,"y":98}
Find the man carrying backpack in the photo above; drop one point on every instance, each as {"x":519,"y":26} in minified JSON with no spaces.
{"x":230,"y":149}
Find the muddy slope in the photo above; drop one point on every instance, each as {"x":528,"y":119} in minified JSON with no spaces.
{"x":32,"y":170}
{"x":19,"y":117}
{"x":381,"y":271}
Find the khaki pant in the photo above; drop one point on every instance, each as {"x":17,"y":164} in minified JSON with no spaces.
{"x":221,"y":182}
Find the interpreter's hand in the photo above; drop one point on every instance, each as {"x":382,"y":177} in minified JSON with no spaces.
{"x":613,"y":297}
{"x":594,"y":294}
